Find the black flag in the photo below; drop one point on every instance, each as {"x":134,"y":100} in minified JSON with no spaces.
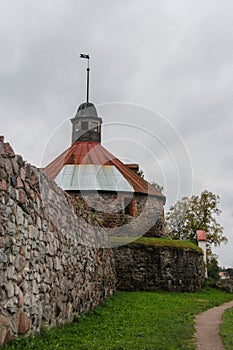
{"x":82,"y":55}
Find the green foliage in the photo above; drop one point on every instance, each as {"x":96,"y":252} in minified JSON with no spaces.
{"x":226,"y":331}
{"x":131,"y":321}
{"x":213,"y":269}
{"x":196,"y":213}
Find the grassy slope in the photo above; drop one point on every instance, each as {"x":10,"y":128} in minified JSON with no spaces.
{"x":135,"y":321}
{"x":163,"y":242}
{"x":156,"y":242}
{"x":227,"y":329}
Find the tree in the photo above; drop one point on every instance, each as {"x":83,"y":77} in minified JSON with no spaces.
{"x":213,"y":268}
{"x":196,"y":213}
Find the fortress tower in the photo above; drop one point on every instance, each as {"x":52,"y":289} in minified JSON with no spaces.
{"x":108,"y":187}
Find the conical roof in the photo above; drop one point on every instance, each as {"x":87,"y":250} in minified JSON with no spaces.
{"x":96,"y":166}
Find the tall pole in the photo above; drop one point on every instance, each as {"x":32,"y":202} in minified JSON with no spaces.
{"x":88,"y":70}
{"x":82,"y":55}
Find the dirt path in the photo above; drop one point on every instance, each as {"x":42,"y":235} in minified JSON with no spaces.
{"x":207,"y":326}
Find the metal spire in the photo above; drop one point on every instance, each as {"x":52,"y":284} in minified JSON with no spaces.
{"x":88,"y":70}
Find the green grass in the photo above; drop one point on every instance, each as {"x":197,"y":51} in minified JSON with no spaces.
{"x":227,"y":329}
{"x":163,"y":242}
{"x":156,"y":242}
{"x":131,"y":321}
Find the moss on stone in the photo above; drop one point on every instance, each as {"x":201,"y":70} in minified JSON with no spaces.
{"x":161,"y":242}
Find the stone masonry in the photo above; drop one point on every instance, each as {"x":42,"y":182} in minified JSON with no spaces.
{"x":56,"y":259}
{"x":52,"y":262}
{"x":148,"y":267}
{"x":108,"y":210}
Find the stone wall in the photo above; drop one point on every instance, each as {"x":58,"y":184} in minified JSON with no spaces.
{"x":148,"y":267}
{"x":53,"y":263}
{"x":147,"y":213}
{"x":56,"y":259}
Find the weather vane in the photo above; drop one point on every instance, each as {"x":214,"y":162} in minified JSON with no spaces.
{"x":82,"y":55}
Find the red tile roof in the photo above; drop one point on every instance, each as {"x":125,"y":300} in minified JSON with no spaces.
{"x":87,"y":152}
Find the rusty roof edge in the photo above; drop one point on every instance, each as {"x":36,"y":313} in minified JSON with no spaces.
{"x":57,"y":163}
{"x":139,"y":184}
{"x":136,"y":177}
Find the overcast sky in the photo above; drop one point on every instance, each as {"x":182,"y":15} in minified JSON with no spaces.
{"x":161,"y":77}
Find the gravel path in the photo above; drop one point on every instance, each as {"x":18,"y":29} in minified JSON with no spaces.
{"x":207,"y":326}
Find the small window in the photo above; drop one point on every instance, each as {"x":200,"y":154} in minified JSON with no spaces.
{"x":84,"y":125}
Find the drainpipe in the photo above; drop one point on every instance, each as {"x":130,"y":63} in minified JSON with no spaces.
{"x":201,"y":240}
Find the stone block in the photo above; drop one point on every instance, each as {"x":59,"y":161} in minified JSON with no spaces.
{"x":2,"y":277}
{"x":11,"y":228}
{"x":15,"y":249}
{"x":20,"y":263}
{"x":8,"y":150}
{"x":27,"y":300}
{"x":15,"y":165}
{"x":17,"y":290}
{"x":4,"y":185}
{"x":10,"y":306}
{"x":20,"y":196}
{"x":4,"y":321}
{"x":3,"y":331}
{"x":2,"y":232}
{"x":35,"y":289}
{"x":19,"y":184}
{"x":22,"y":250}
{"x":23,"y":322}
{"x":22,"y":172}
{"x":8,"y":166}
{"x":33,"y":179}
{"x":10,"y":273}
{"x":13,"y":180}
{"x":10,"y":291}
{"x":3,"y":257}
{"x":19,"y":279}
{"x":11,"y":192}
